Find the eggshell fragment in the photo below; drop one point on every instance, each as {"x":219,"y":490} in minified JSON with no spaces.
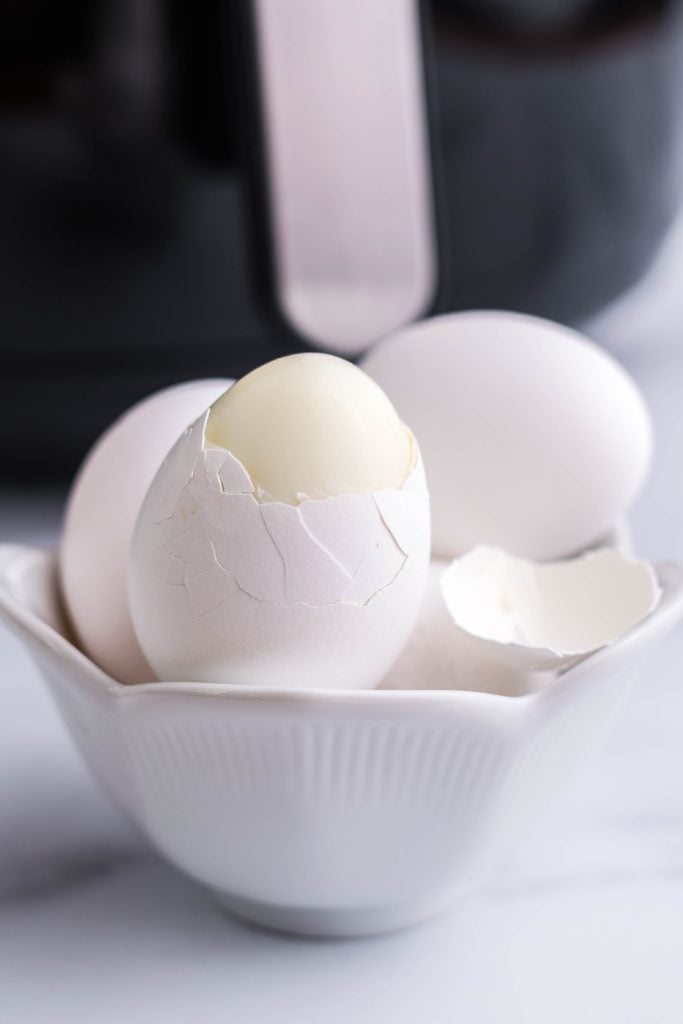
{"x":323,"y":593}
{"x":102,"y":508}
{"x":437,"y":656}
{"x":547,"y":616}
{"x":534,"y":440}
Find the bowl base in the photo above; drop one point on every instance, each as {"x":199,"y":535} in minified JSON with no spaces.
{"x":333,"y":922}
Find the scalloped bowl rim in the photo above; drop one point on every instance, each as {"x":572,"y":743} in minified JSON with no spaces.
{"x":13,"y":610}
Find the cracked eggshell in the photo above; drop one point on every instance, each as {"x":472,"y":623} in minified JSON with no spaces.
{"x":438,"y":657}
{"x":548,"y":616}
{"x":226,"y":589}
{"x":101,"y":511}
{"x":534,"y":439}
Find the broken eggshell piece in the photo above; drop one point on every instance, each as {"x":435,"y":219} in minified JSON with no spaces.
{"x":437,"y":656}
{"x":225,"y":588}
{"x":547,"y":615}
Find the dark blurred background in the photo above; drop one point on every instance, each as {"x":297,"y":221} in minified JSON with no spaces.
{"x":128,"y":252}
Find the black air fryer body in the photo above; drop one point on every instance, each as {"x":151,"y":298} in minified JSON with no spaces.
{"x":142,"y":242}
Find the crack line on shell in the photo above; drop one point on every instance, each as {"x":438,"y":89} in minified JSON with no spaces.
{"x":241,"y":586}
{"x":320,"y":546}
{"x":275,"y":545}
{"x":286,"y":604}
{"x":393,"y":535}
{"x":385,"y":585}
{"x":221,"y":488}
{"x":279,"y":604}
{"x":213,"y":608}
{"x":202,"y":571}
{"x":315,"y":540}
{"x":297,"y":604}
{"x":351,"y":574}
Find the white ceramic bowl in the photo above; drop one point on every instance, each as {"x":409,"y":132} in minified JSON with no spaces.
{"x":325,"y":812}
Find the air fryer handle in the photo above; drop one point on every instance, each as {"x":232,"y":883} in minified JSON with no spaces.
{"x":347,"y":171}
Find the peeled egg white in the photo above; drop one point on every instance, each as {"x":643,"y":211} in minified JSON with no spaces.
{"x":534,"y":439}
{"x":312,"y":425}
{"x":101,"y":511}
{"x":228,"y":586}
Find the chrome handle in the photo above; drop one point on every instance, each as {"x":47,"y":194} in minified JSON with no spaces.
{"x":348,"y":176}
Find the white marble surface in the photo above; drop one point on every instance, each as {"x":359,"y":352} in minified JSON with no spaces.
{"x":584,"y":925}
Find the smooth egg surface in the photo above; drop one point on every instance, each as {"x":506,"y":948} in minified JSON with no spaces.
{"x":312,"y":425}
{"x":534,"y":439}
{"x":101,"y":511}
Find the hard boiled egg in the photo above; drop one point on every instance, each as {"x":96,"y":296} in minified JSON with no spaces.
{"x":285,"y":539}
{"x":534,"y":439}
{"x":101,"y":511}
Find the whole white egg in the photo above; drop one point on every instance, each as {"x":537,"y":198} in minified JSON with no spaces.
{"x":101,"y":510}
{"x":534,"y":439}
{"x":285,"y":540}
